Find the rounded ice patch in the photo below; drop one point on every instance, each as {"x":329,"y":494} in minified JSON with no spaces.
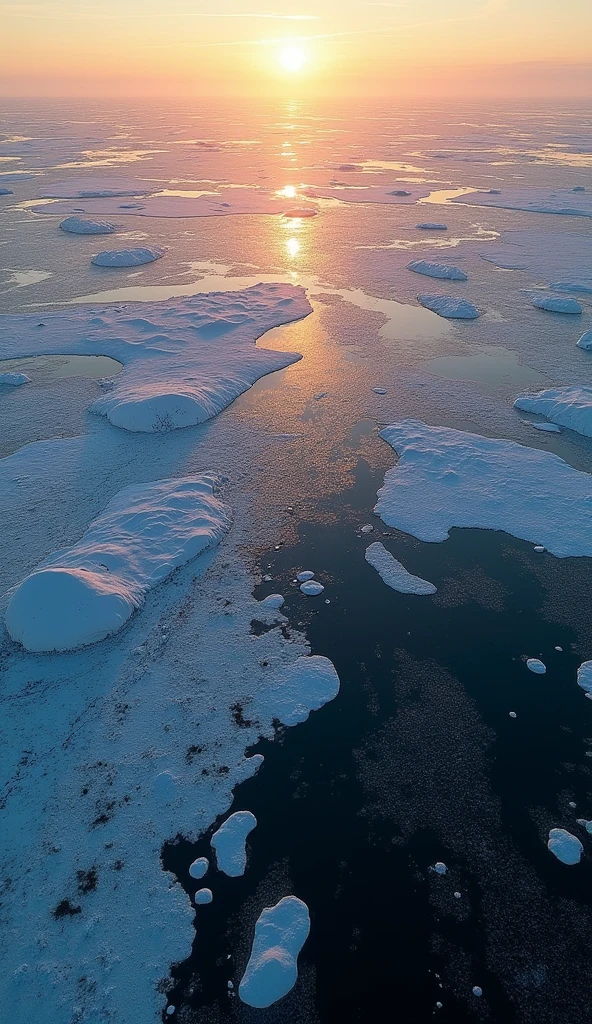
{"x":79,"y":226}
{"x":536,"y":665}
{"x":128,"y":257}
{"x":567,"y":848}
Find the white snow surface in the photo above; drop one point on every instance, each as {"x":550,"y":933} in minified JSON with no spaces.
{"x":449,"y":478}
{"x":450,"y":307}
{"x":555,"y":304}
{"x":567,"y":848}
{"x":533,"y":200}
{"x":569,"y":406}
{"x":585,"y":824}
{"x":394,"y":574}
{"x":229,"y":843}
{"x":536,"y":665}
{"x":80,"y":226}
{"x":84,"y":593}
{"x":128,"y":257}
{"x":14,"y":380}
{"x":184,"y":360}
{"x":272,"y":970}
{"x":561,"y":256}
{"x":273,"y":601}
{"x":585,"y":676}
{"x":443,"y":271}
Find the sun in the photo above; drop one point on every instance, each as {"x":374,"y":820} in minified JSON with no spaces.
{"x":292,"y":58}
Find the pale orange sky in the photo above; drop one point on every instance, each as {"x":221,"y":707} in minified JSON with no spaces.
{"x":364,"y":47}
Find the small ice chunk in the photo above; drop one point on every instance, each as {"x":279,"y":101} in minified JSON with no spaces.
{"x":585,"y":676}
{"x":440,"y":868}
{"x":399,"y":192}
{"x":536,"y":666}
{"x":572,"y":804}
{"x":394,"y":574}
{"x":538,"y":548}
{"x":553,"y":304}
{"x":272,"y":970}
{"x":512,"y":714}
{"x":6,"y":192}
{"x":229,"y":843}
{"x":585,"y":824}
{"x":567,"y":848}
{"x":14,"y":380}
{"x":439,"y":1006}
{"x":457,"y":895}
{"x":477,"y":991}
{"x":450,"y":307}
{"x":559,"y":648}
{"x":273,"y":601}
{"x":321,"y":394}
{"x":368,"y":528}
{"x":311,"y":588}
{"x":267,"y":578}
{"x":199,"y":867}
{"x":306,"y":574}
{"x":170,"y":1010}
{"x":229,"y":985}
{"x":443,"y":271}
{"x":379,"y":391}
{"x":429,"y":225}
{"x":128,"y":257}
{"x":585,"y":341}
{"x":203,"y":896}
{"x":80,"y":226}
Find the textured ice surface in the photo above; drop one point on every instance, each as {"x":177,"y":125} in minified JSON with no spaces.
{"x":440,"y":868}
{"x":128,"y":257}
{"x":304,"y":575}
{"x":80,"y":226}
{"x":585,"y":676}
{"x":272,"y":970}
{"x":203,"y":896}
{"x":312,"y":588}
{"x":84,"y":593}
{"x":450,"y":307}
{"x":567,"y":848}
{"x":560,"y":256}
{"x":273,"y":601}
{"x":14,"y":380}
{"x":569,"y":406}
{"x":199,"y":867}
{"x":547,"y":428}
{"x":536,"y":665}
{"x":443,"y":271}
{"x":555,"y":304}
{"x":305,"y":686}
{"x":534,"y":200}
{"x":446,"y":478}
{"x":585,"y":824}
{"x":394,"y":574}
{"x":229,"y":843}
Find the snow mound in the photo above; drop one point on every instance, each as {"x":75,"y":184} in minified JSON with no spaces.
{"x":199,"y":867}
{"x":585,"y":341}
{"x":567,"y":848}
{"x":533,"y":200}
{"x":431,"y":226}
{"x":312,"y":588}
{"x":203,"y":896}
{"x":128,"y":257}
{"x":229,"y":843}
{"x":585,"y":677}
{"x":79,"y":226}
{"x":554,"y":304}
{"x":448,"y":478}
{"x":536,"y":665}
{"x":449,"y":306}
{"x":443,"y":271}
{"x":304,"y":686}
{"x":272,"y":970}
{"x":273,"y":601}
{"x":394,"y":574}
{"x":84,"y":593}
{"x":14,"y":380}
{"x":569,"y":406}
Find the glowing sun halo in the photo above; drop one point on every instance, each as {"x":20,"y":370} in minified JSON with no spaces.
{"x":292,"y":58}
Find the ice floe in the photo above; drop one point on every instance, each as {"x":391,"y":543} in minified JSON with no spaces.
{"x":273,"y":601}
{"x":312,"y":588}
{"x":533,"y":200}
{"x":304,"y":575}
{"x":80,"y":226}
{"x":585,"y":341}
{"x":82,"y":594}
{"x":431,"y":226}
{"x":585,"y":824}
{"x":585,"y":677}
{"x":304,"y":686}
{"x":440,"y":868}
{"x":450,"y":307}
{"x":203,"y":896}
{"x":554,"y":304}
{"x":379,"y":391}
{"x":394,"y":574}
{"x":569,"y":406}
{"x":272,"y":970}
{"x":448,"y":478}
{"x":229,"y":843}
{"x":442,"y":271}
{"x":536,"y":665}
{"x":477,"y":991}
{"x":14,"y":380}
{"x":128,"y":257}
{"x":567,"y":848}
{"x":6,"y":192}
{"x":199,"y":867}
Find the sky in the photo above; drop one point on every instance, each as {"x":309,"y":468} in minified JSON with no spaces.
{"x":389,"y":48}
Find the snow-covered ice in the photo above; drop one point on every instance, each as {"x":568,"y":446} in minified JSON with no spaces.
{"x":448,"y":478}
{"x":443,"y":271}
{"x":585,"y":677}
{"x":312,"y":588}
{"x":229,"y":843}
{"x":536,"y":665}
{"x":272,"y":970}
{"x":569,"y":406}
{"x":128,"y":257}
{"x":304,"y":686}
{"x":379,"y":391}
{"x":394,"y":574}
{"x":555,"y":304}
{"x":199,"y":867}
{"x":304,"y":575}
{"x":449,"y":306}
{"x":273,"y":601}
{"x":477,"y":991}
{"x":14,"y":380}
{"x":81,"y":226}
{"x":203,"y":896}
{"x":567,"y":848}
{"x":82,"y":594}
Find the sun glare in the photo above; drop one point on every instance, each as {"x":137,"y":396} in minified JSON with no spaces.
{"x":292,"y":58}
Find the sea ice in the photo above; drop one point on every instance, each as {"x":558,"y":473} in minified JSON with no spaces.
{"x":311,"y":588}
{"x":443,"y":271}
{"x":567,"y":848}
{"x":305,"y":685}
{"x":394,"y":574}
{"x":229,"y":843}
{"x":82,"y":594}
{"x":6,"y":192}
{"x":14,"y":380}
{"x":536,"y":666}
{"x":432,"y":226}
{"x":379,"y":391}
{"x":448,"y":478}
{"x":273,"y":601}
{"x":449,"y":306}
{"x":533,"y":200}
{"x":272,"y":970}
{"x":128,"y":257}
{"x":89,"y":187}
{"x":224,"y":203}
{"x":79,"y":226}
{"x":585,"y":824}
{"x":477,"y":991}
{"x":440,"y":868}
{"x":547,"y":428}
{"x":554,"y":304}
{"x":569,"y":406}
{"x":585,"y":341}
{"x":585,"y":677}
{"x":306,"y":574}
{"x":367,"y":194}
{"x":203,"y":896}
{"x":579,"y":287}
{"x":199,"y":867}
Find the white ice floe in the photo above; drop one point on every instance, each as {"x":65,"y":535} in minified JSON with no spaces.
{"x":304,"y":686}
{"x":477,"y":991}
{"x":229,"y":843}
{"x":379,"y":391}
{"x":585,"y":341}
{"x":432,"y":226}
{"x":306,"y":574}
{"x":80,"y":226}
{"x":512,"y":714}
{"x":128,"y":257}
{"x":567,"y":848}
{"x":14,"y":380}
{"x":536,"y":665}
{"x":272,"y":970}
{"x":569,"y":406}
{"x":312,"y":588}
{"x":449,"y":306}
{"x":533,"y":200}
{"x":273,"y":601}
{"x":554,"y":304}
{"x":539,"y":548}
{"x":199,"y":867}
{"x":367,"y":528}
{"x":448,"y":478}
{"x":203,"y":896}
{"x":585,"y":677}
{"x":585,"y":824}
{"x":440,"y":868}
{"x":394,"y":574}
{"x":443,"y":271}
{"x":84,"y":593}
